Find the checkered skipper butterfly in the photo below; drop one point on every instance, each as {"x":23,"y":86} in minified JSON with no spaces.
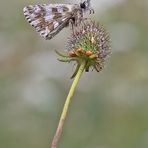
{"x":50,"y":19}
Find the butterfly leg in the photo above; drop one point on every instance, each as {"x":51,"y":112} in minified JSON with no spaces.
{"x":72,"y":23}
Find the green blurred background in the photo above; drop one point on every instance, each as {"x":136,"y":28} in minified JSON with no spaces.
{"x":109,"y":109}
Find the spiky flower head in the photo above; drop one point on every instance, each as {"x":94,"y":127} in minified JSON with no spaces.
{"x":89,"y":42}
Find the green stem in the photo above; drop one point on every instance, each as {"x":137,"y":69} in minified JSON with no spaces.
{"x":66,"y":105}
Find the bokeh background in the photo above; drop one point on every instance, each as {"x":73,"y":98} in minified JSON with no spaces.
{"x":109,"y":109}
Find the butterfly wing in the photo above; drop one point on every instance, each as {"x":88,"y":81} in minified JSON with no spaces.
{"x":49,"y":19}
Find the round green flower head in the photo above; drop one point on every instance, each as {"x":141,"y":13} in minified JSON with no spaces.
{"x":89,"y":42}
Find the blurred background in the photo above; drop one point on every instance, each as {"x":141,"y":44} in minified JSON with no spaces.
{"x":109,"y":109}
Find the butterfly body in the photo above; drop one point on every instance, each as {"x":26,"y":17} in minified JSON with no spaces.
{"x":49,"y":19}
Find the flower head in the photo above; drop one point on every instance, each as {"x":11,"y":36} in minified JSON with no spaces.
{"x":89,"y":42}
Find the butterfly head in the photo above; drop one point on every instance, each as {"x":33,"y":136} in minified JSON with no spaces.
{"x":85,"y":5}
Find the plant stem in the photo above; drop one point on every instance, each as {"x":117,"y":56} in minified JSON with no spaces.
{"x":66,"y":105}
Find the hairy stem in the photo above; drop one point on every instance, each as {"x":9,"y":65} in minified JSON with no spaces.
{"x":66,"y":106}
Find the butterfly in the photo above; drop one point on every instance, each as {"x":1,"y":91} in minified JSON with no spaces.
{"x":50,"y":19}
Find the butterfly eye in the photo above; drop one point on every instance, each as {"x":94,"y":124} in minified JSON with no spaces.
{"x":83,"y":5}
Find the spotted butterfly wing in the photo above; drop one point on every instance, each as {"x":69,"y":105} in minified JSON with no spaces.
{"x":49,"y":19}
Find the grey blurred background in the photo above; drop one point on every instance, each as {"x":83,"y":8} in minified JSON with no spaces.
{"x":109,"y":109}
